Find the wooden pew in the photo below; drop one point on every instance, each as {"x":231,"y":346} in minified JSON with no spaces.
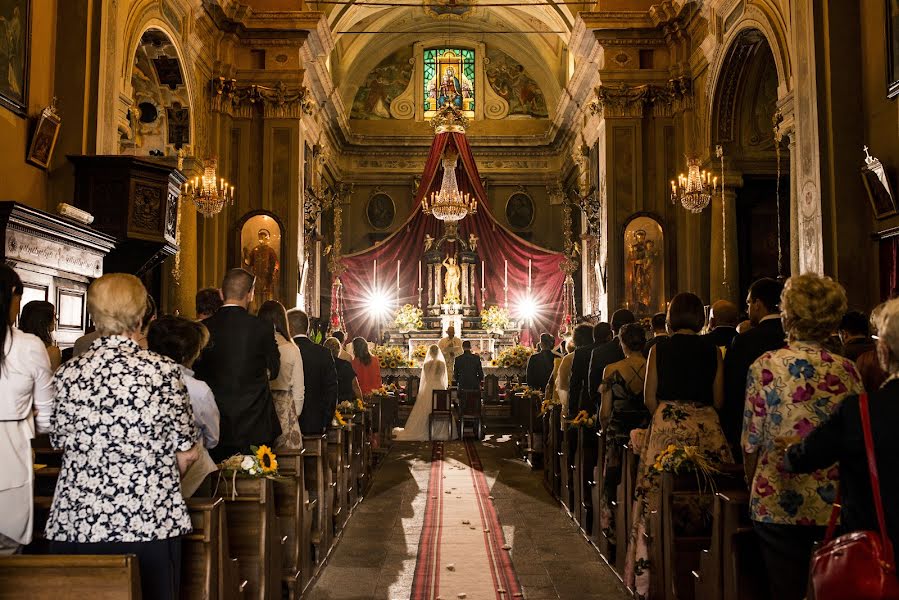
{"x":549,"y":454}
{"x":534,"y":448}
{"x":585,"y":462}
{"x":253,"y":536}
{"x":318,"y":485}
{"x":336,"y":461}
{"x":601,"y":539}
{"x":624,"y":505}
{"x":64,"y":577}
{"x":207,"y":570}
{"x":295,"y":516}
{"x":566,"y":467}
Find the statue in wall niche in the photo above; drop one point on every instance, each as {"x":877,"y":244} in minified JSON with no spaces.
{"x":262,"y":261}
{"x":451,"y":281}
{"x":640,"y":259}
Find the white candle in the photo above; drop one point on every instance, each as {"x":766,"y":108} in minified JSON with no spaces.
{"x":506,"y":276}
{"x":529,"y":274}
{"x":419,"y":275}
{"x":397,"y":275}
{"x":374,"y":274}
{"x":483,"y":283}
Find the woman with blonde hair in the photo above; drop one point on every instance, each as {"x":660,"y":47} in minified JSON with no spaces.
{"x":288,"y":389}
{"x":124,"y":421}
{"x":789,"y":392}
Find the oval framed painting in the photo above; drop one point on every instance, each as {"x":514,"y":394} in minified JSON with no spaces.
{"x":520,"y":210}
{"x":380,"y":211}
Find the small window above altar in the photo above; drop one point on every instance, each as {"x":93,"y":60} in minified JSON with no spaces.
{"x":449,"y":78}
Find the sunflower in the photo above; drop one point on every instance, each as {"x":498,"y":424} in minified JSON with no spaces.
{"x":267,"y":461}
{"x":339,"y":418}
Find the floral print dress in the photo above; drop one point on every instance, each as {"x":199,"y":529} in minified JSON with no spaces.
{"x":789,"y":392}
{"x":120,"y":416}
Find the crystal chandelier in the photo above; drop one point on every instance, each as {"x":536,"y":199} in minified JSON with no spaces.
{"x":449,"y":204}
{"x":695,"y":189}
{"x":209,"y":193}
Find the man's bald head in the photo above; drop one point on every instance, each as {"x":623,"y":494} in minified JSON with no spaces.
{"x":724,"y":313}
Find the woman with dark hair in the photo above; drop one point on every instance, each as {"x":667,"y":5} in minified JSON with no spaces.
{"x":621,"y":410}
{"x":347,"y":383}
{"x":39,"y":318}
{"x":683,"y":392}
{"x":26,"y":402}
{"x":182,"y":340}
{"x":288,"y":389}
{"x":366,"y":366}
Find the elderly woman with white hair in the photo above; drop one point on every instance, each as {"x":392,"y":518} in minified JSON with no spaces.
{"x":840,"y":439}
{"x":124,"y":421}
{"x":789,"y":392}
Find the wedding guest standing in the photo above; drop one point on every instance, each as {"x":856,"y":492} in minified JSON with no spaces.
{"x":724,"y":316}
{"x":26,"y":401}
{"x":288,"y":388}
{"x":659,"y":331}
{"x":39,"y":318}
{"x":366,"y":366}
{"x":182,"y":340}
{"x":601,"y":357}
{"x":347,"y":383}
{"x":238,"y":363}
{"x":208,"y":301}
{"x":579,"y":382}
{"x":540,"y":365}
{"x":789,"y":392}
{"x":319,"y":377}
{"x":582,"y":338}
{"x":340,"y":337}
{"x":855,"y":335}
{"x":124,"y":422}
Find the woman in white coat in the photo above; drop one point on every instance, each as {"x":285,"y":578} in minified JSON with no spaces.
{"x":26,"y":401}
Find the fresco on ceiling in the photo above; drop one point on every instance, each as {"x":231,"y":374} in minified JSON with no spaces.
{"x":385,"y":82}
{"x":510,"y":80}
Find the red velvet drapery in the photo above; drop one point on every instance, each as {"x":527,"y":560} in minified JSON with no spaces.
{"x":496,"y":245}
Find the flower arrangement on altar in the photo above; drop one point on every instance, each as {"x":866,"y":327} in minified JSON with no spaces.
{"x":261,"y":462}
{"x":419,"y":353}
{"x":582,"y":419}
{"x":515,"y":357}
{"x":391,"y":357}
{"x":408,"y":318}
{"x":495,"y":319}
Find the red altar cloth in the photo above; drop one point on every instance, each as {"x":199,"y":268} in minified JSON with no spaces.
{"x":496,"y":245}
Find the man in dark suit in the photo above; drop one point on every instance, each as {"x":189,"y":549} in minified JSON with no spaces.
{"x":578,"y":386}
{"x":540,"y":365}
{"x":767,"y":334}
{"x":602,"y":357}
{"x":468,"y":371}
{"x":855,"y":335}
{"x":659,"y":332}
{"x":723,"y":319}
{"x":320,"y":376}
{"x":237,"y":364}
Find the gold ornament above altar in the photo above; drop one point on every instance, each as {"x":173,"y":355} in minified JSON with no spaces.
{"x":449,"y":204}
{"x":449,"y":119}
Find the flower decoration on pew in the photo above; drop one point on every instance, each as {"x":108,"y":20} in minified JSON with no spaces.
{"x":547,"y":405}
{"x":383,"y":392}
{"x":391,"y":357}
{"x":408,"y":318}
{"x":261,"y":462}
{"x":515,"y":357}
{"x":583,"y":419}
{"x":347,"y":407}
{"x":679,"y":460}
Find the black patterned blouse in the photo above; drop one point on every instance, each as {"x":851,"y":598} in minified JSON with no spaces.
{"x":121,"y":414}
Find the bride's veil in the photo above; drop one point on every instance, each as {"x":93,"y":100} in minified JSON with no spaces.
{"x":433,"y":371}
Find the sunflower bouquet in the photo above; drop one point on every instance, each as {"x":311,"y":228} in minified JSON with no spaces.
{"x":495,"y":319}
{"x":408,"y":318}
{"x":547,"y":405}
{"x":391,"y":357}
{"x":515,"y":357}
{"x":684,"y":459}
{"x":383,"y":392}
{"x":582,"y":419}
{"x":261,"y":462}
{"x":339,"y":421}
{"x":419,"y":353}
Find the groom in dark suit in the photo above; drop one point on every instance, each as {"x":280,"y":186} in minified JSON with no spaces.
{"x":468,"y":371}
{"x":320,"y":377}
{"x":237,"y":364}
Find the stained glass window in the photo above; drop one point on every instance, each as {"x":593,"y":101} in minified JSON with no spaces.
{"x":449,"y":78}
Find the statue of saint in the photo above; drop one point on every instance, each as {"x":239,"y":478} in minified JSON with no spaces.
{"x":429,"y":241}
{"x":262,"y":261}
{"x":640,"y":254}
{"x":451,"y":281}
{"x":473,"y":242}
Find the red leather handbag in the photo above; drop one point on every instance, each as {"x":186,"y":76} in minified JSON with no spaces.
{"x":858,"y":565}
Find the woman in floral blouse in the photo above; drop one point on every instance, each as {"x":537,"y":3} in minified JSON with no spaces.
{"x":789,"y":392}
{"x":123,"y":418}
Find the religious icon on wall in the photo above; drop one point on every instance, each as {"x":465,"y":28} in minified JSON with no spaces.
{"x":892,"y":38}
{"x":520,"y":210}
{"x":644,"y":266}
{"x":380,"y":210}
{"x":877,"y":184}
{"x":449,"y":79}
{"x":14,"y":48}
{"x":260,"y":243}
{"x":40,"y":152}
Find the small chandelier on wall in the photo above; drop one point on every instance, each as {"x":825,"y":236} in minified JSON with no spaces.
{"x":695,"y":189}
{"x":209,"y":193}
{"x":449,"y":204}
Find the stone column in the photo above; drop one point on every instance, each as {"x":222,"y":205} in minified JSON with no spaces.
{"x":724,"y":276}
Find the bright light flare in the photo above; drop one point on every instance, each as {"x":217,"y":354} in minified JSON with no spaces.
{"x":379,"y":304}
{"x":528,"y":308}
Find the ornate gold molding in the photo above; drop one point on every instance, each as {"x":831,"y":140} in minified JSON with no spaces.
{"x":630,"y":101}
{"x":244,"y":101}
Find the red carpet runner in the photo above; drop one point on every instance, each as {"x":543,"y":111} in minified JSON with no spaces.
{"x":462,"y":552}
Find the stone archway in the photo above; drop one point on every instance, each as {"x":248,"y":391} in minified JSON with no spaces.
{"x":160,"y":116}
{"x":755,"y":227}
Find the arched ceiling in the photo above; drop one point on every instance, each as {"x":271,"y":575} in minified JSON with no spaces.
{"x":533,"y":32}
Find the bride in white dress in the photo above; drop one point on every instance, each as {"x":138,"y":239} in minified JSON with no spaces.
{"x":433,"y":377}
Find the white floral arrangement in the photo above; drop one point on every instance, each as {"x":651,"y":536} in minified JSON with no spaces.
{"x":495,"y":319}
{"x":409,"y":317}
